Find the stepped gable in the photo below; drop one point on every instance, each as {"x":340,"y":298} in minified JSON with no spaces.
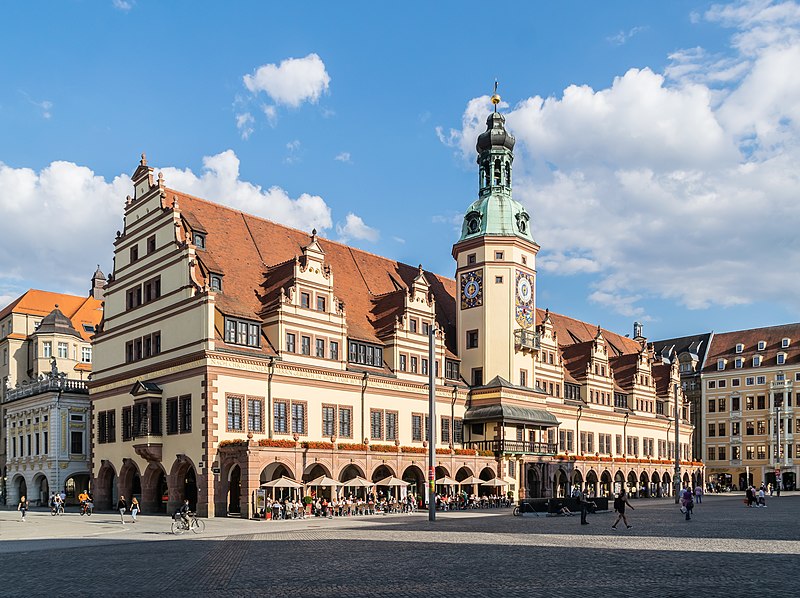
{"x":723,"y":346}
{"x":79,"y":310}
{"x":570,"y":331}
{"x":247,"y":247}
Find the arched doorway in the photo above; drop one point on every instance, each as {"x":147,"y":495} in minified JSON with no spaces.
{"x":42,"y":489}
{"x":644,"y":485}
{"x":666,"y":485}
{"x":350,"y":472}
{"x":463,"y":473}
{"x":154,"y":489}
{"x":382,"y":472}
{"x":234,"y":489}
{"x":686,"y":481}
{"x":605,"y":483}
{"x":275,"y":471}
{"x":416,"y":480}
{"x":533,"y":483}
{"x":130,"y":483}
{"x":190,"y":487}
{"x":577,"y":480}
{"x":21,"y":487}
{"x":632,"y":484}
{"x":789,"y":480}
{"x":560,"y":483}
{"x":745,"y":481}
{"x":619,"y":481}
{"x":314,"y":471}
{"x":591,"y":483}
{"x":105,"y":490}
{"x":655,"y":486}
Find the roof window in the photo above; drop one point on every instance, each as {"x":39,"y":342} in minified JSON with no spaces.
{"x":762,"y":345}
{"x":199,"y":240}
{"x":785,"y":343}
{"x":739,"y":347}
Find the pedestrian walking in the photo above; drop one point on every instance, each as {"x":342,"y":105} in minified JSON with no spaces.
{"x":584,"y":505}
{"x":698,"y":494}
{"x":620,"y":503}
{"x":122,"y":506}
{"x":23,"y":507}
{"x":687,"y":503}
{"x":134,"y":509}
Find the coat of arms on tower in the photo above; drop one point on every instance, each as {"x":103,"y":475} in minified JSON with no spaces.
{"x":524,"y":299}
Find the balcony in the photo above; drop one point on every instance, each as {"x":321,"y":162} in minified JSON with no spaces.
{"x":47,"y":385}
{"x":525,"y":340}
{"x":522,"y":447}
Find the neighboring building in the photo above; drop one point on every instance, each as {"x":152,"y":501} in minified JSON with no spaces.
{"x":42,"y":333}
{"x":748,"y":382}
{"x":690,"y":352}
{"x":234,"y":350}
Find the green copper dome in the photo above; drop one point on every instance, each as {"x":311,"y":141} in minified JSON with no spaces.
{"x":495,"y":213}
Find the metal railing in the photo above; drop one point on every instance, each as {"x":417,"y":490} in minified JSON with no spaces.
{"x":525,"y":339}
{"x":514,"y":446}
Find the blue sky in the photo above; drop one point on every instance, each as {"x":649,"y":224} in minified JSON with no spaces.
{"x":657,"y":141}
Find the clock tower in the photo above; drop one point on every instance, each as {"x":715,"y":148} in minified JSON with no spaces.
{"x":496,"y":270}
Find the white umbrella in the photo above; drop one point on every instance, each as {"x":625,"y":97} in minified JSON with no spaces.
{"x":447,"y":481}
{"x":471,"y":480}
{"x":323,"y":480}
{"x":496,"y":482}
{"x":392,"y":481}
{"x":282,"y":482}
{"x":358,"y":482}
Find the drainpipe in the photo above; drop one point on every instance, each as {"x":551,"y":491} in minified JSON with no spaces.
{"x":364,"y":382}
{"x":453,"y":418}
{"x":269,"y":396}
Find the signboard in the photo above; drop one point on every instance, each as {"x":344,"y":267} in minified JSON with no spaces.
{"x":261,"y":499}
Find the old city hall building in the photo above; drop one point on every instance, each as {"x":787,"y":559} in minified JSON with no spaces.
{"x":234,"y":350}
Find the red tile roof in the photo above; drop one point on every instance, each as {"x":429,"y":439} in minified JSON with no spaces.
{"x":723,"y":346}
{"x":80,"y":310}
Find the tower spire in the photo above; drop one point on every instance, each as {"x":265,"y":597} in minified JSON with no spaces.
{"x":495,"y":97}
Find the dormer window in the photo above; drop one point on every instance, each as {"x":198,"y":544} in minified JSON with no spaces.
{"x":199,"y":240}
{"x":739,"y":347}
{"x":781,"y":358}
{"x":216,"y":282}
{"x":242,"y":332}
{"x":762,"y":345}
{"x":738,"y":363}
{"x":757,"y":361}
{"x":785,"y":343}
{"x":720,"y":364}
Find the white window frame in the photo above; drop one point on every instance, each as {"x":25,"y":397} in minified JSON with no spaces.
{"x":756,"y":361}
{"x":738,"y":363}
{"x":781,"y":358}
{"x":739,"y":347}
{"x":720,"y":364}
{"x":785,"y":343}
{"x":762,"y":345}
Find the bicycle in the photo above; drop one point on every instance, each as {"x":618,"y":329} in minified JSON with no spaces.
{"x":86,"y":509}
{"x":194,"y":524}
{"x":57,"y":510}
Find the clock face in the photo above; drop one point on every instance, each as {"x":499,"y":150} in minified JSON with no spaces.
{"x":471,"y":289}
{"x":524,"y":290}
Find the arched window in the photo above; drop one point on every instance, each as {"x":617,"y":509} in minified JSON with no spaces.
{"x":497,"y":171}
{"x":508,"y":174}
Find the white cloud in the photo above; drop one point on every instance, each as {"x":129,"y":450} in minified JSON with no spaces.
{"x":59,"y":222}
{"x":623,"y":36}
{"x":292,"y":82}
{"x":679,"y":185}
{"x":123,"y":5}
{"x":293,"y":148}
{"x":343,"y":157}
{"x":244,"y":122}
{"x":354,"y":228}
{"x":45,"y":106}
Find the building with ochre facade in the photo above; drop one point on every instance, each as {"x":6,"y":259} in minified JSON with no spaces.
{"x":235,"y":350}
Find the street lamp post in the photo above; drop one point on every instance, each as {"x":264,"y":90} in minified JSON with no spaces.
{"x":677,"y":482}
{"x":778,"y":470}
{"x":432,"y":422}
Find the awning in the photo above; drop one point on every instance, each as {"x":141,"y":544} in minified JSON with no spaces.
{"x":511,"y":413}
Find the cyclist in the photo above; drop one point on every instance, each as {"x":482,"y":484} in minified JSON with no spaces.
{"x":83,"y":498}
{"x":58,"y":503}
{"x":185,"y":511}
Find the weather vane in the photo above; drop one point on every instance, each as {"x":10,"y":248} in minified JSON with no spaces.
{"x":495,"y":97}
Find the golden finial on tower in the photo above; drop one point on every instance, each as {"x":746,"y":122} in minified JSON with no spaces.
{"x":495,"y":97}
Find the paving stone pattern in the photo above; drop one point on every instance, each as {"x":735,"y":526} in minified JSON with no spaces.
{"x":726,"y":549}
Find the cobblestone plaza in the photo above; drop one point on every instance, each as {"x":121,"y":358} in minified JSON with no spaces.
{"x":726,"y":549}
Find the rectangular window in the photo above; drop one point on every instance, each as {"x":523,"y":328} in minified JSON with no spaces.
{"x":736,"y":428}
{"x":472,"y":339}
{"x":712,"y":453}
{"x":761,"y":452}
{"x":750,"y":381}
{"x":334,"y":350}
{"x":172,"y":415}
{"x":328,"y":421}
{"x":523,"y":378}
{"x":255,"y":415}
{"x":498,"y":255}
{"x":366,"y":354}
{"x":111,"y":428}
{"x":761,"y":427}
{"x":376,"y":424}
{"x":445,"y":427}
{"x":471,"y":258}
{"x":721,"y":405}
{"x":750,"y":452}
{"x":735,"y":404}
{"x":390,"y":425}
{"x":750,"y":428}
{"x":155,"y":418}
{"x":280,"y":421}
{"x":749,"y":403}
{"x":305,"y":300}
{"x":151,"y":244}
{"x":320,"y":345}
{"x":736,"y":452}
{"x":102,"y":432}
{"x":320,"y":303}
{"x":134,"y":253}
{"x":413,"y":365}
{"x":298,"y":418}
{"x":721,"y":453}
{"x":761,"y":380}
{"x":712,"y":405}
{"x":721,"y":429}
{"x":345,"y":422}
{"x":412,"y":325}
{"x":416,"y":427}
{"x":47,"y":349}
{"x":152,"y":289}
{"x":424,"y":366}
{"x":63,"y":350}
{"x":241,"y":332}
{"x":86,"y":354}
{"x":234,"y":414}
{"x":761,"y":402}
{"x":458,"y":431}
{"x":127,"y":423}
{"x":75,"y":444}
{"x":451,"y":370}
{"x":403,"y":363}
{"x":290,"y":342}
{"x":712,"y":429}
